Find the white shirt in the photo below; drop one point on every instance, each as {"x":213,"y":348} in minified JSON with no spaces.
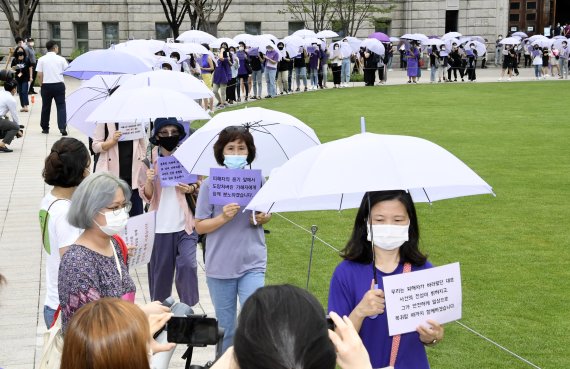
{"x":8,"y":104}
{"x":61,"y":234}
{"x":169,"y":215}
{"x":52,"y":65}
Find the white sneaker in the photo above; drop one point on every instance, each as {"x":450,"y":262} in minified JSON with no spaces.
{"x":508,"y":79}
{"x":500,"y":79}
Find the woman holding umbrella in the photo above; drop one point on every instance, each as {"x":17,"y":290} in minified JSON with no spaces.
{"x":236,"y":256}
{"x":384,"y":242}
{"x":412,"y":57}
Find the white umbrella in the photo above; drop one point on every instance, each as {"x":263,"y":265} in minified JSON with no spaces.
{"x":304,"y":33}
{"x":199,"y":37}
{"x":354,"y":43}
{"x":450,"y":41}
{"x":145,"y":104}
{"x":435,"y":41}
{"x":293,"y":44}
{"x":278,"y":136}
{"x":510,"y":41}
{"x":327,"y":34}
{"x":335,"y":175}
{"x":481,"y":48}
{"x":374,"y":45}
{"x":520,"y":34}
{"x":218,"y":42}
{"x":274,"y":39}
{"x":543,"y":42}
{"x":558,"y":43}
{"x":451,"y":35}
{"x":180,"y":82}
{"x":559,"y":37}
{"x":261,"y":42}
{"x":538,"y":37}
{"x":313,"y":40}
{"x":184,"y":48}
{"x":246,"y":38}
{"x":415,"y":37}
{"x":394,"y":39}
{"x":92,"y":92}
{"x":161,"y":60}
{"x":151,"y":46}
{"x":344,"y":47}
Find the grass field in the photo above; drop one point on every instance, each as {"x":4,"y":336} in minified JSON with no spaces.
{"x":514,"y":248}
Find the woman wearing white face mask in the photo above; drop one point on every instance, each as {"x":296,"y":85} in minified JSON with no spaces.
{"x":99,"y":205}
{"x":236,"y":255}
{"x":388,"y":247}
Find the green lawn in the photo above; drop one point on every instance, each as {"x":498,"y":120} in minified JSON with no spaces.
{"x":514,"y":248}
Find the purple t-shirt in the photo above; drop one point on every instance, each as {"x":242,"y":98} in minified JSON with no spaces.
{"x":241,"y":55}
{"x":349,"y":282}
{"x":314,"y":59}
{"x":235,"y":248}
{"x":273,"y":55}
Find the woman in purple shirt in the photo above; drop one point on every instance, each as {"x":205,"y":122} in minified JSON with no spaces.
{"x":395,"y":235}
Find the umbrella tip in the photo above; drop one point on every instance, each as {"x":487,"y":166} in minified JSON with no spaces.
{"x":362,"y":125}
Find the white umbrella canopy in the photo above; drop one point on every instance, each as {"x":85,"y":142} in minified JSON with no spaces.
{"x":481,"y":48}
{"x":373,"y":45}
{"x":451,"y":35}
{"x":326,"y":34}
{"x":335,"y":175}
{"x":246,"y":38}
{"x":145,"y":104}
{"x":278,"y":137}
{"x":344,"y":47}
{"x":394,"y":39}
{"x":510,"y":41}
{"x":558,"y":43}
{"x":261,"y":42}
{"x":304,"y":33}
{"x":184,"y":48}
{"x":180,"y":82}
{"x":218,"y":42}
{"x":543,"y":42}
{"x":354,"y":43}
{"x":293,"y":44}
{"x":559,"y":37}
{"x":435,"y":41}
{"x":161,"y":60}
{"x":196,"y":36}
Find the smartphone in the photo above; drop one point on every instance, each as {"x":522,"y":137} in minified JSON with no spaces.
{"x":330,"y":323}
{"x":192,"y":330}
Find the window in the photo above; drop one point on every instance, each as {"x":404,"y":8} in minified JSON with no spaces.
{"x":81,"y":36}
{"x":110,"y":34}
{"x":339,"y":27}
{"x":513,"y":17}
{"x":515,"y":6}
{"x":55,"y":32}
{"x":531,"y":16}
{"x":531,"y":5}
{"x":451,"y":17}
{"x":382,"y":25}
{"x":295,"y":26}
{"x":162,"y":31}
{"x":253,"y":28}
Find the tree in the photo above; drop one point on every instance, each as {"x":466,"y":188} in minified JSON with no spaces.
{"x":175,"y":12}
{"x":207,"y":14}
{"x":311,"y":11}
{"x":352,"y":13}
{"x":20,"y":15}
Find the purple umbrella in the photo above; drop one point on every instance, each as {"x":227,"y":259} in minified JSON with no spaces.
{"x":382,"y":37}
{"x":107,"y":61}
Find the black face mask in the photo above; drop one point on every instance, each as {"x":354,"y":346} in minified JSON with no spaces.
{"x":280,"y":48}
{"x":168,"y":143}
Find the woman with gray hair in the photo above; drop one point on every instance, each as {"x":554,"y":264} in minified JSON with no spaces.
{"x":94,"y":266}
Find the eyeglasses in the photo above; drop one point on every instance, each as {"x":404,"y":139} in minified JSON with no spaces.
{"x":117,"y":209}
{"x":232,"y":129}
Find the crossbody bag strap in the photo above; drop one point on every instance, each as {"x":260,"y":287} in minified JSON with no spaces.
{"x":117,"y":260}
{"x":44,"y":226}
{"x":396,"y":338}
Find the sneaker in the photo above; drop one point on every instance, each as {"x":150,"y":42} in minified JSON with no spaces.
{"x":508,"y":79}
{"x":63,"y":132}
{"x":5,"y":149}
{"x":297,"y":89}
{"x":500,"y":79}
{"x":45,"y":131}
{"x":305,"y":90}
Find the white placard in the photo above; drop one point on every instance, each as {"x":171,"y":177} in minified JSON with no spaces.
{"x":413,"y":298}
{"x":140,"y":233}
{"x":131,"y":131}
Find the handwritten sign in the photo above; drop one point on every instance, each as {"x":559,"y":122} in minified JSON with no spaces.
{"x":140,"y":233}
{"x":412,"y":298}
{"x":131,"y":131}
{"x":171,"y":172}
{"x":233,"y":185}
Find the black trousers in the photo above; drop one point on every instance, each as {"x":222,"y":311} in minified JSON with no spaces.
{"x":35,"y":74}
{"x":50,"y":92}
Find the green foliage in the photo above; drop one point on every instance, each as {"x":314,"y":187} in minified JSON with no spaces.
{"x":75,"y":53}
{"x":514,"y":248}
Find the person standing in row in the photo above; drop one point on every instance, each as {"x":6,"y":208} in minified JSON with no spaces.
{"x":23,"y":70}
{"x":336,"y":62}
{"x":345,"y":69}
{"x":244,"y":72}
{"x":50,"y":69}
{"x":283,"y":69}
{"x":271,"y":60}
{"x":207,"y":69}
{"x":34,"y":63}
{"x":300,"y":68}
{"x":412,"y":57}
{"x":563,"y":61}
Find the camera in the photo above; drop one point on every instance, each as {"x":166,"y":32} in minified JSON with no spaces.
{"x":6,"y":75}
{"x":195,"y":330}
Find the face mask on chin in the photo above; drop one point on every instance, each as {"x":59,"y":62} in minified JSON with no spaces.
{"x":115,"y":223}
{"x":388,"y":237}
{"x":168,"y":143}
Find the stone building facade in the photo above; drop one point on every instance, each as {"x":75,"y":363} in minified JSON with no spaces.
{"x":95,"y":24}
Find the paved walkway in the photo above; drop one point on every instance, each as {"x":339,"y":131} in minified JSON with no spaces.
{"x":21,"y":189}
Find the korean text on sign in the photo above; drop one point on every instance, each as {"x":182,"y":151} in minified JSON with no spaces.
{"x":172,"y":172}
{"x":233,"y":185}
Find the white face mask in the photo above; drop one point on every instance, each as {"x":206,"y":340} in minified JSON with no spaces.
{"x":388,"y":237}
{"x":115,"y":223}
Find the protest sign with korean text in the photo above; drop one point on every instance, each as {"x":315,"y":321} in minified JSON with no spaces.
{"x":233,"y":185}
{"x":140,"y":233}
{"x":131,"y":131}
{"x":413,"y":298}
{"x":171,"y":172}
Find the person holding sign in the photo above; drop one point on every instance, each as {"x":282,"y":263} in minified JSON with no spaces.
{"x":236,"y":256}
{"x":175,"y":241}
{"x":121,"y":158}
{"x":384,"y":242}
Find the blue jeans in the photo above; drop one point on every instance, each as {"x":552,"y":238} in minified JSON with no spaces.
{"x":537,"y":70}
{"x":563,"y":64}
{"x":49,"y":315}
{"x":345,"y":70}
{"x":224,"y":293}
{"x":23,"y":93}
{"x":270,"y":75}
{"x":257,"y":77}
{"x":301,"y":73}
{"x":433,"y":72}
{"x":314,"y":77}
